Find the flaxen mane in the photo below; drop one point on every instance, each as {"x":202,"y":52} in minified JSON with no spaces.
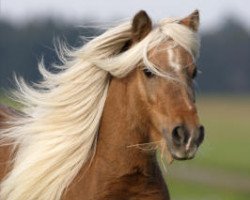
{"x":59,"y":130}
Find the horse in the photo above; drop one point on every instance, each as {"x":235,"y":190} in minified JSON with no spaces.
{"x":91,"y":129}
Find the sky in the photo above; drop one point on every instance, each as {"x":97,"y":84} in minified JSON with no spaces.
{"x":213,"y":12}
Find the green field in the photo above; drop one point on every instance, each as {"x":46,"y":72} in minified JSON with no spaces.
{"x":221,"y":169}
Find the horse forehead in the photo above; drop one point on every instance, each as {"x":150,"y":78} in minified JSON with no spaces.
{"x":171,"y":56}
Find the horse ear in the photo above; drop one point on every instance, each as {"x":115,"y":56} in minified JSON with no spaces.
{"x":141,"y":26}
{"x":192,"y":21}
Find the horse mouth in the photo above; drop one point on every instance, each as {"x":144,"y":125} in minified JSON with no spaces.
{"x":179,"y":154}
{"x":182,"y":158}
{"x":182,"y":154}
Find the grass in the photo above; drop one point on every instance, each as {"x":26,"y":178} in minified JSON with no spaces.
{"x":183,"y":190}
{"x":223,"y":155}
{"x":227,"y":141}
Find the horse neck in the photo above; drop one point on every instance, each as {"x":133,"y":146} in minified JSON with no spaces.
{"x":123,"y":126}
{"x":119,"y":170}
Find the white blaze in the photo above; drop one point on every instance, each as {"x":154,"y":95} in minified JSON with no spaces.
{"x":173,"y":59}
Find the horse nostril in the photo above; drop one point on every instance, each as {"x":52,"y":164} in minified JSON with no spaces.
{"x":201,"y":135}
{"x":180,"y":135}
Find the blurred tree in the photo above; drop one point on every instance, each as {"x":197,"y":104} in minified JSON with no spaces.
{"x":22,"y":47}
{"x":224,"y":61}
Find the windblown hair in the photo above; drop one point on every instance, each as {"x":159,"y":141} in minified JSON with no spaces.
{"x":57,"y":134}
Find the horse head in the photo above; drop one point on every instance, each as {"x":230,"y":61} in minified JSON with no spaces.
{"x":166,"y":98}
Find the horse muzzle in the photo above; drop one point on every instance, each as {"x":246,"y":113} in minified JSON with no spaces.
{"x":183,"y":143}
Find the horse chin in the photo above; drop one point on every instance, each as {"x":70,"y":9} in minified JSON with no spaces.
{"x":170,"y":157}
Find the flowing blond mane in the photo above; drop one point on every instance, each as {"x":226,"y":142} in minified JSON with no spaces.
{"x":56,"y":135}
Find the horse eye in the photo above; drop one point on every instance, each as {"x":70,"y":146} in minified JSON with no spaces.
{"x":148,"y":73}
{"x":194,"y":73}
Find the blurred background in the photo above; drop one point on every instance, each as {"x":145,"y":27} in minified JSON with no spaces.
{"x":221,"y":170}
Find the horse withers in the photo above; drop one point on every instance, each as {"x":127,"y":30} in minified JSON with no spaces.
{"x":85,"y":131}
